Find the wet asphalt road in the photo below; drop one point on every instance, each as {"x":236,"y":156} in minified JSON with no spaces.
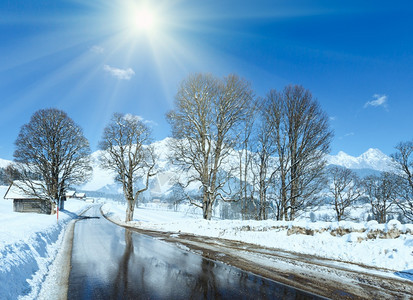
{"x":110,"y":262}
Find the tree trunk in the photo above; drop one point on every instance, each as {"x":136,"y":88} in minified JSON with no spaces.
{"x":130,"y":210}
{"x":284,"y":202}
{"x":241,"y":190}
{"x":338,"y":212}
{"x":293,"y":179}
{"x":382,"y":217}
{"x":207,"y":210}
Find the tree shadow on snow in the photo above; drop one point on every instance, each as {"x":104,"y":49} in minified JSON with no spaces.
{"x":72,"y":215}
{"x":406,"y":274}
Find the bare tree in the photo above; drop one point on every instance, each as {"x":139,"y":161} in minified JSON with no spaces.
{"x":302,"y":137}
{"x":205,"y":124}
{"x":266,"y":166}
{"x":404,"y":160}
{"x":126,"y":152}
{"x":51,"y":154}
{"x":382,"y":193}
{"x":345,"y":189}
{"x":276,"y":119}
{"x":246,"y":142}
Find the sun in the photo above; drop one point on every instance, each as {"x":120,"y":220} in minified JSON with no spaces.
{"x":141,"y":18}
{"x":144,"y":20}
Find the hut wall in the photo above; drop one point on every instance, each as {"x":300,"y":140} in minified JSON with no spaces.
{"x":31,"y":205}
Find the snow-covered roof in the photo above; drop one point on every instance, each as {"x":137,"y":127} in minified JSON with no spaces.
{"x":70,"y":193}
{"x":80,"y":195}
{"x":15,"y":192}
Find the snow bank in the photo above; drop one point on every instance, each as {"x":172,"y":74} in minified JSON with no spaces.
{"x":369,"y":244}
{"x":28,"y":244}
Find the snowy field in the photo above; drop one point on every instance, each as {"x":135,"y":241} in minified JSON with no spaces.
{"x":358,"y":243}
{"x":28,"y":245}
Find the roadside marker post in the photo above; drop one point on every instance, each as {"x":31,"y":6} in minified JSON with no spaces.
{"x":57,"y":202}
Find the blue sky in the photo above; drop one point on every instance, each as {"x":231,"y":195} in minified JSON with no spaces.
{"x":89,"y":59}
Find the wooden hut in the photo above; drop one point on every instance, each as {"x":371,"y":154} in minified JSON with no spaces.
{"x":25,"y":202}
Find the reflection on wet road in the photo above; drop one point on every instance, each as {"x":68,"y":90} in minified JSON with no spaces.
{"x":110,"y":262}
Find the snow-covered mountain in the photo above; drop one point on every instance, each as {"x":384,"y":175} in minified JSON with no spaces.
{"x":372,"y":159}
{"x":4,"y":163}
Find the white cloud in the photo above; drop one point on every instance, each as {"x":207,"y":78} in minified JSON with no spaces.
{"x":139,"y":118}
{"x":380,"y":100}
{"x":151,"y":123}
{"x":123,"y":74}
{"x":97,"y":49}
{"x":348,"y":134}
{"x":130,"y":117}
{"x":333,"y":118}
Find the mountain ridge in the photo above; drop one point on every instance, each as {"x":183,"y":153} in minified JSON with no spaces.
{"x":373,"y":159}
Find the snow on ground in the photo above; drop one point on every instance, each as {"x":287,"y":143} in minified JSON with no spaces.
{"x":28,"y":244}
{"x":393,"y":254}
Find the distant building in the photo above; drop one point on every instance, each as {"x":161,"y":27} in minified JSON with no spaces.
{"x":80,"y":195}
{"x":28,"y":202}
{"x":70,"y":194}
